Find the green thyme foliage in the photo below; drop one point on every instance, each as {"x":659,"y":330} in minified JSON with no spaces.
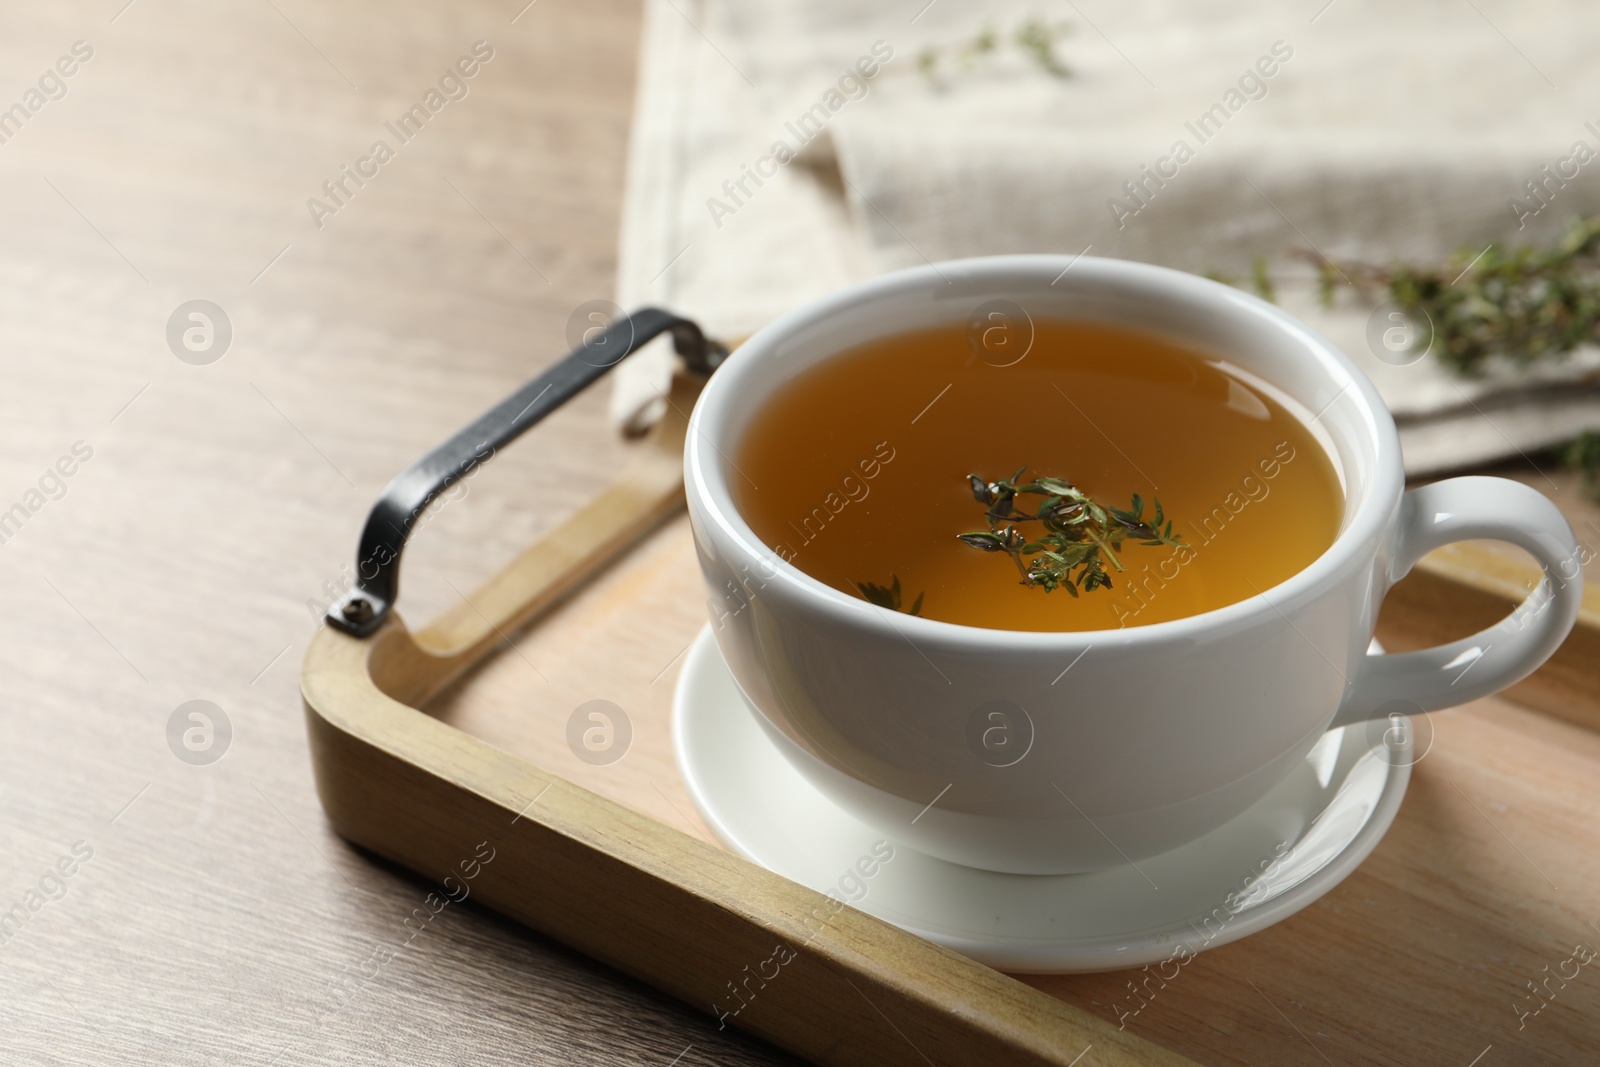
{"x":1583,"y":454}
{"x":1075,"y":539}
{"x":1035,"y":38}
{"x":1261,"y":280}
{"x":1524,"y":304}
{"x":1038,"y":39}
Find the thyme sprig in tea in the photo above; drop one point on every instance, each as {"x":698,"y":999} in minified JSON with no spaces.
{"x":889,"y":596}
{"x":1077,"y":537}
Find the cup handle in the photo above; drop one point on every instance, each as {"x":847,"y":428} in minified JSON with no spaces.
{"x":1462,"y":509}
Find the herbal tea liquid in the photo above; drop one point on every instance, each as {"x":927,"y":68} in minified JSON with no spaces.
{"x":857,"y":473}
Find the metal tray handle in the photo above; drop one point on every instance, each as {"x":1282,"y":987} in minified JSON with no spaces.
{"x":370,"y":601}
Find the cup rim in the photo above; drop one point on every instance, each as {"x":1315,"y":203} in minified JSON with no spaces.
{"x":707,"y":485}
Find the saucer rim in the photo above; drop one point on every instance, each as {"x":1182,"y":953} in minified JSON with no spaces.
{"x":1064,"y":956}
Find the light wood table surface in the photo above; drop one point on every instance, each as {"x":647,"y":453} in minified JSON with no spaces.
{"x":210,"y":916}
{"x":217,"y":920}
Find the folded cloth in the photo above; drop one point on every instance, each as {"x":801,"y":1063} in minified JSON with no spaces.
{"x":785,"y":149}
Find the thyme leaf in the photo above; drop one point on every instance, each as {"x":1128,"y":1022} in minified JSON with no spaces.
{"x":888,"y":596}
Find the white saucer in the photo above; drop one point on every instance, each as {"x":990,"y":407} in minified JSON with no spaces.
{"x":1329,"y":813}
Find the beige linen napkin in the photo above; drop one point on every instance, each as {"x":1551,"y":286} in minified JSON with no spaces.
{"x":1198,"y":135}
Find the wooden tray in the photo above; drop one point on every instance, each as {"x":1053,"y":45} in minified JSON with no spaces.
{"x":1484,"y":884}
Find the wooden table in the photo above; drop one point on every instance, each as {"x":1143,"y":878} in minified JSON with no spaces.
{"x":210,"y":915}
{"x":218,"y":920}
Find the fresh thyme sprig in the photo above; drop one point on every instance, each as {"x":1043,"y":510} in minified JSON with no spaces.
{"x":1526,"y":303}
{"x":1078,"y":534}
{"x":1035,"y":37}
{"x":888,"y":596}
{"x":1260,"y":279}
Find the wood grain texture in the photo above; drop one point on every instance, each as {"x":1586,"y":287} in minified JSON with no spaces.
{"x":220,"y":920}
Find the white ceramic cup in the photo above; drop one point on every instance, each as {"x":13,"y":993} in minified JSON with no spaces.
{"x":1156,"y":734}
